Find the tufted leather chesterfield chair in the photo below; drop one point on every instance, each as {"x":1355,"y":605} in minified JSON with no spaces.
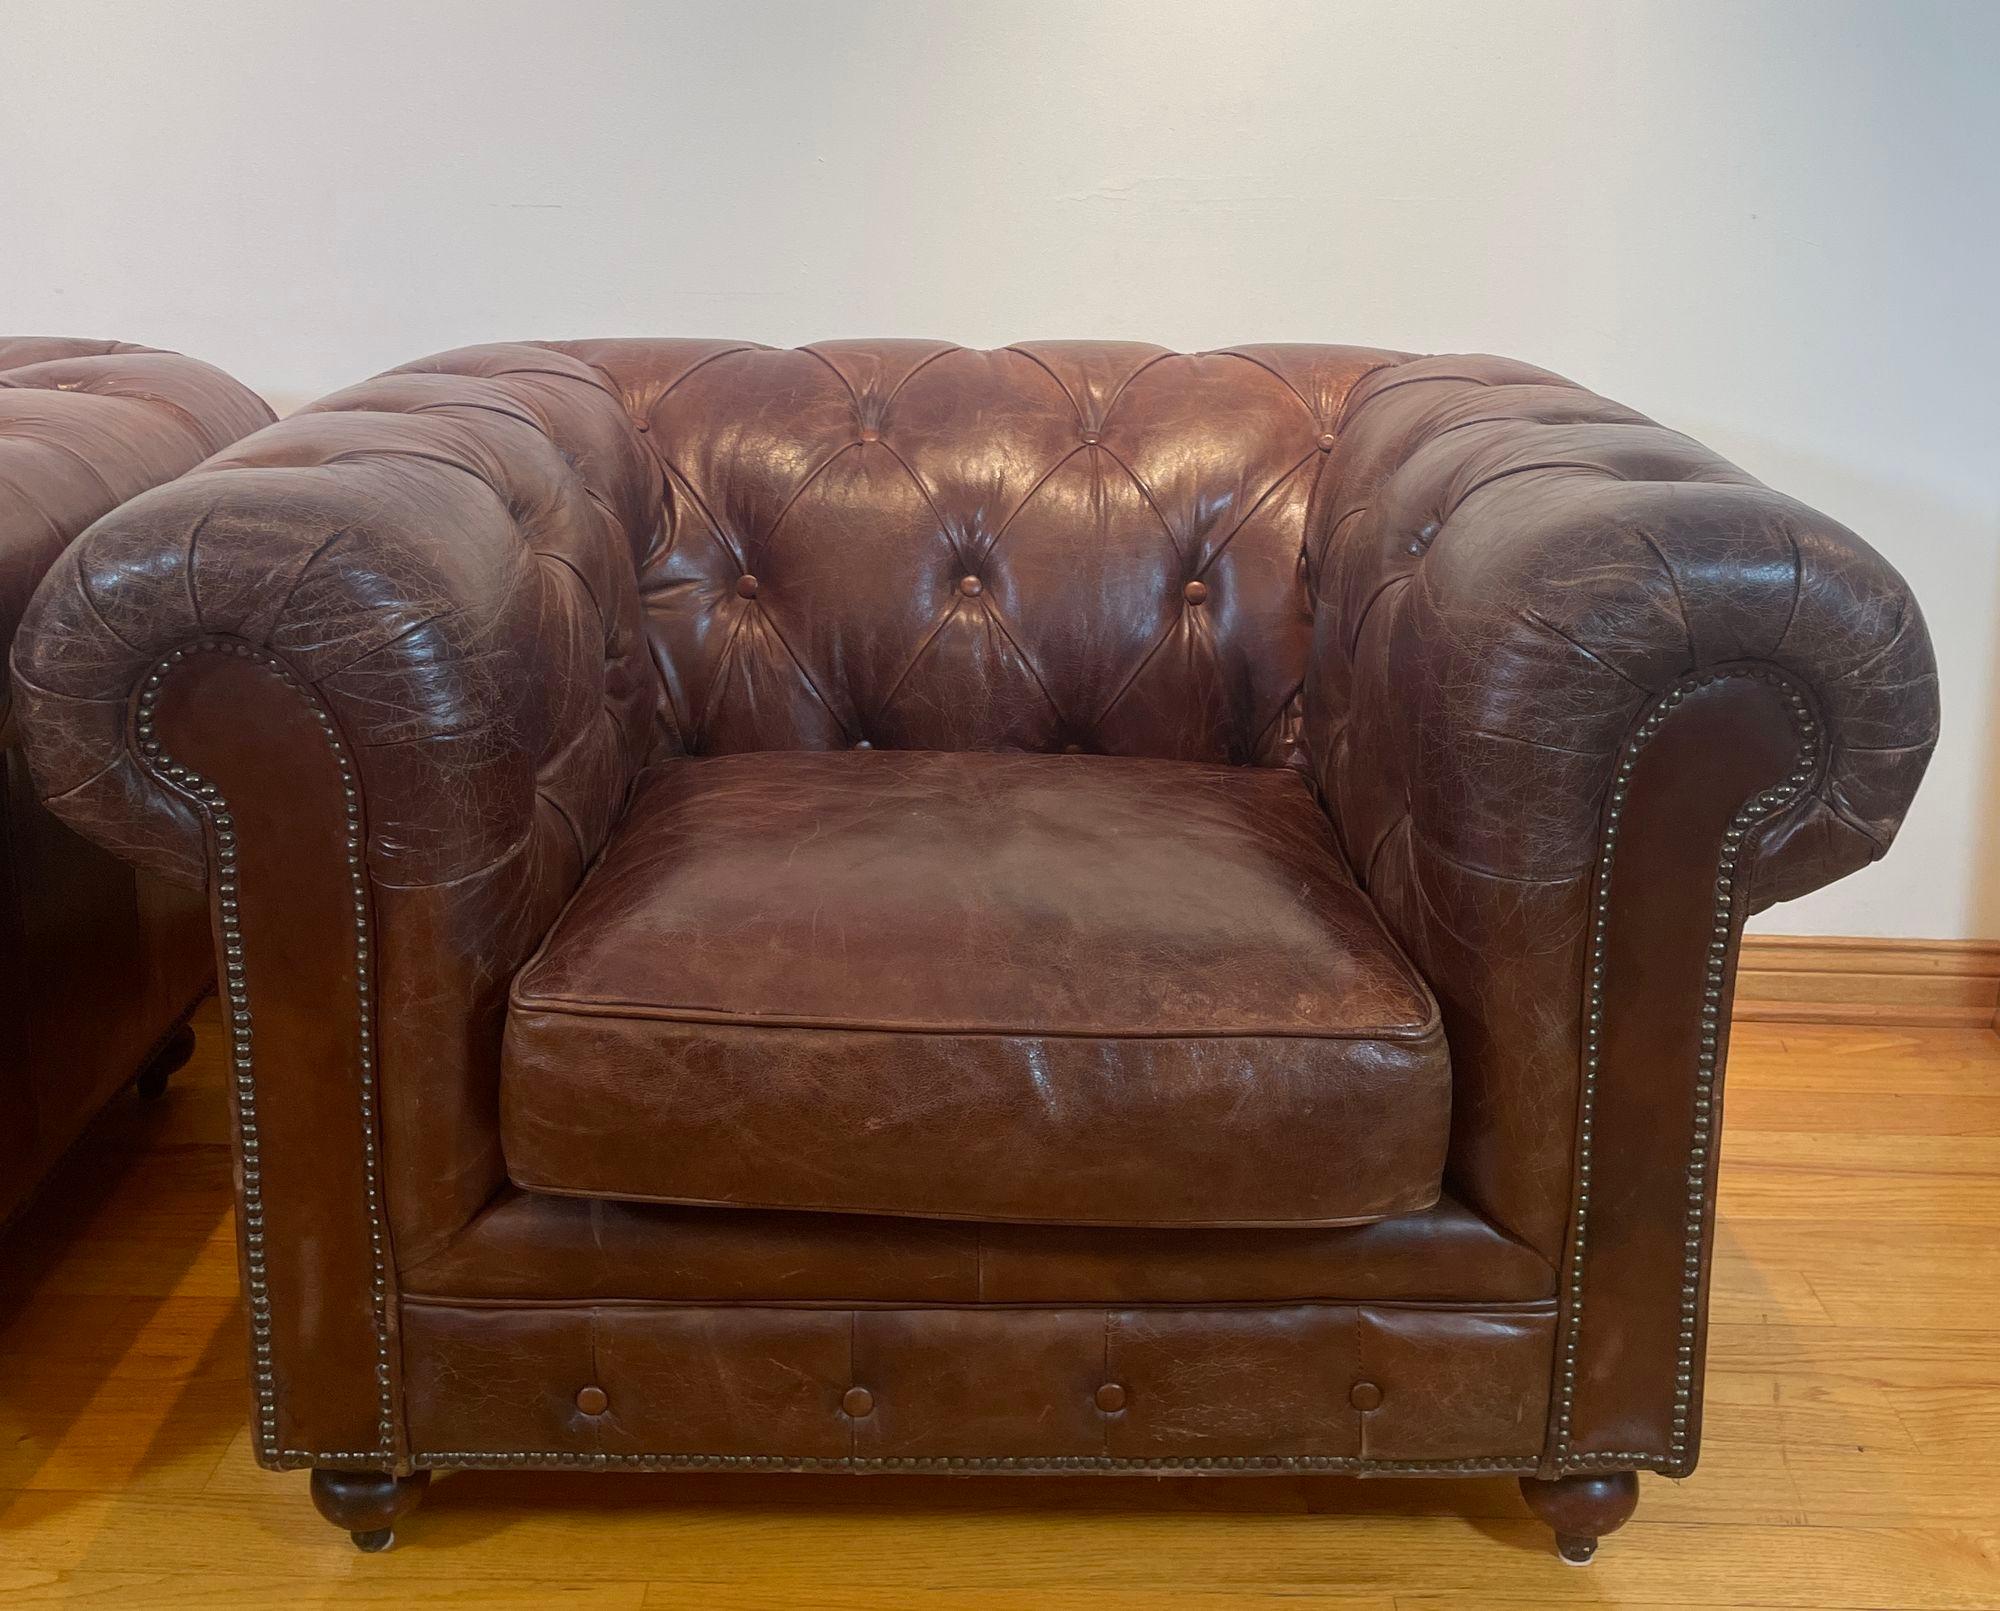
{"x":889,"y":907}
{"x":101,"y":966}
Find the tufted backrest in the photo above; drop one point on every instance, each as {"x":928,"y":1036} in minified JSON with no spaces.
{"x":1068,"y":545}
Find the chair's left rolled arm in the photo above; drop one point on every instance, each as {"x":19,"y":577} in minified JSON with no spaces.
{"x":376,"y":677}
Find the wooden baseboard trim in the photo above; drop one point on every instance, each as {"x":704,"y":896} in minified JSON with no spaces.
{"x":1806,"y":979}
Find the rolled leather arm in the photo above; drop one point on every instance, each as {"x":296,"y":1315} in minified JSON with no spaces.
{"x":1509,"y":573}
{"x":445,"y":558}
{"x":377,"y":674}
{"x":1582,"y":696}
{"x":1511,"y":568}
{"x":441,"y":561}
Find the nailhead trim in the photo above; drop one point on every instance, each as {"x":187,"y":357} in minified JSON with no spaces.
{"x":236,"y":998}
{"x":1675,"y":1460}
{"x":1078,"y":1462}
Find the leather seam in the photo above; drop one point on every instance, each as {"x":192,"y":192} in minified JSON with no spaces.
{"x":873,"y":1210}
{"x":645,"y":1012}
{"x":1525,"y":1308}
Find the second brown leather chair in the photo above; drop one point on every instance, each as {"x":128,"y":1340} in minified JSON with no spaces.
{"x":102,"y":966}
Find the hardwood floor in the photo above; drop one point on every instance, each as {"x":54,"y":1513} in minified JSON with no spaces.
{"x":1852,"y":1455}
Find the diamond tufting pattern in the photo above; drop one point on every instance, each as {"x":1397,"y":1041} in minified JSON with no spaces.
{"x":1087,"y":546}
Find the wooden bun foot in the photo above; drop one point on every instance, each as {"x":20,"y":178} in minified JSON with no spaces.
{"x":1582,"y":1509}
{"x":367,"y":1503}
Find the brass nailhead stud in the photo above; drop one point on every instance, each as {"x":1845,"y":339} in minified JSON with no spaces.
{"x":1365,"y":1396}
{"x":592,"y":1400}
{"x":1111,"y":1398}
{"x":857,"y":1402}
{"x":746,"y":587}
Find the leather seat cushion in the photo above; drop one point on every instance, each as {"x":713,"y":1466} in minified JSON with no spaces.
{"x":1070,"y":989}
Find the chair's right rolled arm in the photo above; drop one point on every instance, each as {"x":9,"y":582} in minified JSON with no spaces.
{"x":1511,"y":568}
{"x":1582,"y":697}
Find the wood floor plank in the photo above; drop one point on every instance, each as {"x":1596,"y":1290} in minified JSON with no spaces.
{"x":1836,"y":1111}
{"x":1864,"y":1273}
{"x":1852,"y":1453}
{"x":235,"y":1591}
{"x":1036,"y":1550}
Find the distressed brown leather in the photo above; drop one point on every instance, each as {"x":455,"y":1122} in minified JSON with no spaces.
{"x":1575,"y":695}
{"x":1291,"y":1387}
{"x":1084,"y":487}
{"x":100,"y":966}
{"x":1508,"y":571}
{"x":1108,"y":991}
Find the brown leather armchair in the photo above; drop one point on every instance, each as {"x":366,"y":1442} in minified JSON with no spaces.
{"x":101,"y":966}
{"x":889,"y":907}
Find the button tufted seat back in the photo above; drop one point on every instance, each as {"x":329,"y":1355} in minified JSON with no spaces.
{"x":1057,"y":546}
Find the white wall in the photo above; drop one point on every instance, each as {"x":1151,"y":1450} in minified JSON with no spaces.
{"x":1772,"y":225}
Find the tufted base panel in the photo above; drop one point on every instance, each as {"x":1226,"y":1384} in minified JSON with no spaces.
{"x":1302,"y":1386}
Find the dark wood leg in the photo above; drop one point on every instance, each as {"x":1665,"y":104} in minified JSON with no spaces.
{"x":153,"y":1077}
{"x":367,"y":1503}
{"x":1582,"y":1509}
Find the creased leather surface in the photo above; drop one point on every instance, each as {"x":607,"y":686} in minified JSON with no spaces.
{"x":446,"y":558}
{"x":1105,"y":990}
{"x":102,"y":964}
{"x":1082,"y":485}
{"x":1507,"y":570}
{"x":1301,"y":1381}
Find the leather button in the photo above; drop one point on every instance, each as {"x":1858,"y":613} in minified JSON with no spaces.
{"x":1111,"y":1398}
{"x":1195,"y":592}
{"x":870,"y":434}
{"x":746,"y":587}
{"x":1365,"y":1396}
{"x":863,"y":744}
{"x":857,"y":1402}
{"x":592,"y":1400}
{"x":1326,"y":443}
{"x":1072,"y":749}
{"x":1090,"y":439}
{"x":971,"y":586}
